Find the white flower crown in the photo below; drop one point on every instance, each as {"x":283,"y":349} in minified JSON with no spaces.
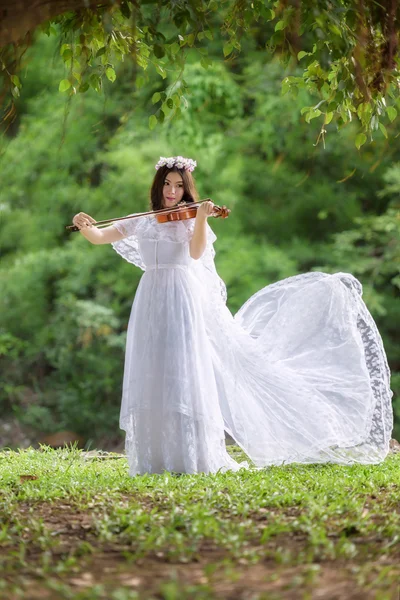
{"x":177,"y":161}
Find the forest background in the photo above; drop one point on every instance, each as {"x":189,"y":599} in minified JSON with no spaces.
{"x":296,"y":206}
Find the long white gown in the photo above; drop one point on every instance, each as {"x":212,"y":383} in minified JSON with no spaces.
{"x":298,"y":374}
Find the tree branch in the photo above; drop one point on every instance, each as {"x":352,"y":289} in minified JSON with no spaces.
{"x":18,"y":17}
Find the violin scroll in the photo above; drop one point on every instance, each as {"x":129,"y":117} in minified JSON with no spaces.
{"x":222,"y":211}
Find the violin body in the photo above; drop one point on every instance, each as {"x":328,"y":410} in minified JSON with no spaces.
{"x":181,"y":212}
{"x":177,"y":215}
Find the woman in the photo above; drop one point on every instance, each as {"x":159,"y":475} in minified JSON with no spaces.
{"x":299,"y":374}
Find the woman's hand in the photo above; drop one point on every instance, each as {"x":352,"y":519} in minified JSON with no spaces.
{"x":82,"y":220}
{"x":205,"y":209}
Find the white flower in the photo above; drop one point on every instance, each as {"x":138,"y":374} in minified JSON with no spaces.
{"x":178,"y":161}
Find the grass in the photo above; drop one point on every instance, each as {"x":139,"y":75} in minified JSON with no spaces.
{"x":84,"y":529}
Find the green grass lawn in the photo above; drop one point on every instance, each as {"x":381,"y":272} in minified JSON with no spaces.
{"x":83,"y":528}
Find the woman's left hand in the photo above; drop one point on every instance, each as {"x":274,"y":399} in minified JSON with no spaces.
{"x":206,"y":209}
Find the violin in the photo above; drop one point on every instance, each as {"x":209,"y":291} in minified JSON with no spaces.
{"x":183,"y":210}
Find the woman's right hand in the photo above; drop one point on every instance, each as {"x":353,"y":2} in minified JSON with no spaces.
{"x":82,"y":220}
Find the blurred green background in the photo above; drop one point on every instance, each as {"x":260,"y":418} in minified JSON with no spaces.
{"x":296,"y":207}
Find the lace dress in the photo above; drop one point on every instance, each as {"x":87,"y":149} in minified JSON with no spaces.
{"x":298,"y":374}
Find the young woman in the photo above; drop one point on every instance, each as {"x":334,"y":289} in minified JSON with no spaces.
{"x":298,"y":374}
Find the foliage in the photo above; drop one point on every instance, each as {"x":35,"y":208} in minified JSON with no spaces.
{"x":346,"y":52}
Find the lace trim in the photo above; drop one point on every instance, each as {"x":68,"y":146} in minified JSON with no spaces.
{"x":128,"y":247}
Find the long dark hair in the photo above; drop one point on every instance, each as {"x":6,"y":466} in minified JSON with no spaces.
{"x":190,"y":193}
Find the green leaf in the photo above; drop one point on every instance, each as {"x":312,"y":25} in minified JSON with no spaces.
{"x":64,"y":47}
{"x":161,"y":71}
{"x":65,"y":84}
{"x":228,"y":47}
{"x":156,"y":97}
{"x":205,"y":62}
{"x":166,"y":109}
{"x":302,"y":54}
{"x":152,"y":121}
{"x":383,"y":129}
{"x":95,"y":82}
{"x":101,"y":51}
{"x":83,"y":87}
{"x":174,"y":48}
{"x":280,"y":25}
{"x":285,"y":87}
{"x":392,"y":112}
{"x":313,"y":114}
{"x":159,"y":51}
{"x":170,"y":103}
{"x":328,"y":117}
{"x":360,"y":140}
{"x":111,"y":74}
{"x":15,"y":80}
{"x":67,"y":54}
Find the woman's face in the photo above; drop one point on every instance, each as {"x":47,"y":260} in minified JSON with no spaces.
{"x":173,"y":189}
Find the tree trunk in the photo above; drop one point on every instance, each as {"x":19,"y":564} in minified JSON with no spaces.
{"x":18,"y":17}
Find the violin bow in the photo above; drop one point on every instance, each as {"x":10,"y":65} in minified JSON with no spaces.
{"x":151,"y":212}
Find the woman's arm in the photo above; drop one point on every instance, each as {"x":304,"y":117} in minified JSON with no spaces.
{"x":94,"y":235}
{"x":198,"y":243}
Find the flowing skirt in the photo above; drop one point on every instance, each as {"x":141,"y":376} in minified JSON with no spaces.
{"x":170,"y":410}
{"x":299,"y":374}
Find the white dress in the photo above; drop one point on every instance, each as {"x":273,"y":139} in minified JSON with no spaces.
{"x":298,"y":374}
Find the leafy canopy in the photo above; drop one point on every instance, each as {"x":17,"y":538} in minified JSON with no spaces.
{"x":343,"y":52}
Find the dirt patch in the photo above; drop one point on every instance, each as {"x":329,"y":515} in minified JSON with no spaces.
{"x":213,"y":571}
{"x":228,"y":582}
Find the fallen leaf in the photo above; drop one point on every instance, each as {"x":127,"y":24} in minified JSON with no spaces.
{"x":27,"y":477}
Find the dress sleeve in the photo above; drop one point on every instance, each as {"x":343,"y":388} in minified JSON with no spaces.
{"x":129,"y":247}
{"x":127,"y":227}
